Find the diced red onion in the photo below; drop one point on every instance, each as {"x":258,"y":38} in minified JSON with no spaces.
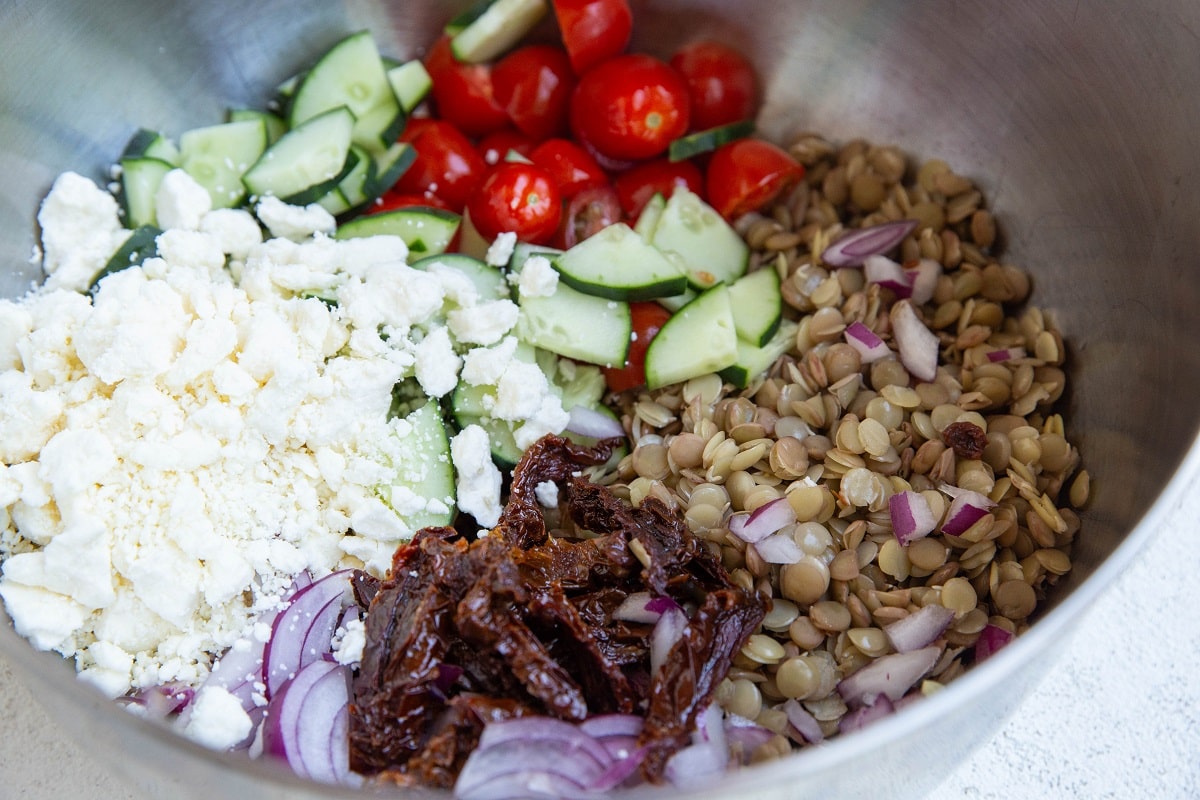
{"x":853,"y":248}
{"x":919,"y":629}
{"x":887,"y":273}
{"x":991,"y":639}
{"x":710,"y":726}
{"x":641,"y":607}
{"x":804,"y":723}
{"x":308,"y":720}
{"x":917,"y":344}
{"x":159,"y":702}
{"x":779,"y":548}
{"x":866,"y":714}
{"x":912,"y":518}
{"x":589,"y":422}
{"x":696,"y":764}
{"x":868,"y":344}
{"x":923,"y":278}
{"x":891,"y":675}
{"x":744,"y":736}
{"x":1006,"y":354}
{"x":967,"y":508}
{"x":766,"y":519}
{"x":560,"y":734}
{"x":667,"y":631}
{"x":617,"y":733}
{"x":303,"y":632}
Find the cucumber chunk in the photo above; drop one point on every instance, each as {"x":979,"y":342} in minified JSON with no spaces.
{"x":694,"y":144}
{"x":307,"y":161}
{"x":389,"y":166}
{"x":151,"y":144}
{"x":754,"y":361}
{"x":219,"y":155}
{"x":351,"y":193}
{"x":500,"y":26}
{"x":276,"y":127}
{"x":709,"y":247}
{"x":427,"y":473}
{"x":426,"y":231}
{"x":757,"y":306}
{"x":652,"y":212}
{"x":698,"y":339}
{"x":577,"y":325}
{"x":141,"y":244}
{"x":140,"y":178}
{"x":410,"y":83}
{"x":618,"y":264}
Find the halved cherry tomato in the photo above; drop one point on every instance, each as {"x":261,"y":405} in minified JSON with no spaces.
{"x":392,"y":200}
{"x":630,"y":107}
{"x":648,"y":319}
{"x":496,"y":145}
{"x":749,"y":174}
{"x":463,"y":93}
{"x":593,"y":30}
{"x":722,"y":85}
{"x":589,"y":212}
{"x":516,"y":197}
{"x":447,"y":165}
{"x":573,"y":168}
{"x":660,"y":176}
{"x":534,"y":84}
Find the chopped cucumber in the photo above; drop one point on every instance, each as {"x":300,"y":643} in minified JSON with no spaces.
{"x":753,"y":361}
{"x":489,"y":281}
{"x":677,"y":301}
{"x":496,"y":29}
{"x":523,"y":250}
{"x":276,"y":127}
{"x":575,"y":384}
{"x":577,"y":325}
{"x":426,"y":473}
{"x":711,"y":249}
{"x":351,"y":194}
{"x":698,"y":339}
{"x":410,"y":83}
{"x":706,"y":141}
{"x":141,"y":244}
{"x":140,"y":178}
{"x":467,"y":16}
{"x":151,"y":144}
{"x":389,"y":166}
{"x":652,"y":212}
{"x":757,"y":305}
{"x":219,"y":155}
{"x":351,"y":74}
{"x":618,"y":264}
{"x":307,"y":161}
{"x":426,"y":231}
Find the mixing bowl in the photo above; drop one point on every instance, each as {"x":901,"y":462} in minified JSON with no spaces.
{"x":1077,"y":121}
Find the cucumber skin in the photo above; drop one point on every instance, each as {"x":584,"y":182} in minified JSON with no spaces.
{"x":704,"y":329}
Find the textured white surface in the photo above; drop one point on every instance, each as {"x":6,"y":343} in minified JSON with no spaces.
{"x":1118,"y":717}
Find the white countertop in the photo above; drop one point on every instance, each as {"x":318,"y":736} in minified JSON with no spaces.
{"x":1118,"y":717}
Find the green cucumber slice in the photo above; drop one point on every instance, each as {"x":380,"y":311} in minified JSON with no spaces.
{"x":711,"y":249}
{"x":151,"y":144}
{"x":754,"y":361}
{"x":694,"y":144}
{"x":652,"y":212}
{"x":618,"y":264}
{"x":141,"y":244}
{"x":307,"y":161}
{"x":757,"y":305}
{"x":489,"y":281}
{"x":389,"y":166}
{"x":426,"y":231}
{"x":140,"y":178}
{"x":698,"y":339}
{"x":351,"y":193}
{"x":276,"y":127}
{"x":496,"y":29}
{"x":466,"y":17}
{"x":427,"y":472}
{"x":410,"y":83}
{"x":577,"y":325}
{"x":219,"y":155}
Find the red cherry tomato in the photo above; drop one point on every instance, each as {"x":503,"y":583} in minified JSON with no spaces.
{"x":593,"y":30}
{"x":463,"y":93}
{"x":496,"y":145}
{"x":630,"y":107}
{"x":722,"y":85}
{"x":516,"y":197}
{"x":748,"y":174}
{"x":447,"y":164}
{"x":392,"y":200}
{"x":573,"y":168}
{"x":660,"y":176}
{"x":648,"y":319}
{"x":534,"y":84}
{"x":589,"y":212}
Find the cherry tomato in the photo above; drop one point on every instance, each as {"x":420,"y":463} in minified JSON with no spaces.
{"x":748,"y":174}
{"x":463,"y":93}
{"x":593,"y":30}
{"x":722,"y":85}
{"x":648,"y":319}
{"x":496,"y":145}
{"x":660,"y":176}
{"x":630,"y":107}
{"x":589,"y":212}
{"x":516,"y":197}
{"x":534,"y":84}
{"x":392,"y":200}
{"x":447,"y":164}
{"x":573,"y":168}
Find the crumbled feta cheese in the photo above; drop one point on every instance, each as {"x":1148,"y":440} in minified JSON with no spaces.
{"x":348,"y":643}
{"x":485,"y":323}
{"x":187,"y":248}
{"x":217,"y":719}
{"x":110,"y":670}
{"x":181,"y":202}
{"x":520,"y":391}
{"x":81,"y":229}
{"x":484,"y":366}
{"x":235,"y":230}
{"x":549,"y":418}
{"x":437,"y":363}
{"x":547,"y":494}
{"x":500,"y":251}
{"x":294,"y":222}
{"x":537,"y":278}
{"x":478,"y":479}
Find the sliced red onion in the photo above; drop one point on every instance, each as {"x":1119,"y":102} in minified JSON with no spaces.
{"x":868,"y":344}
{"x":779,"y":548}
{"x":923,"y":279}
{"x":744,"y":736}
{"x":854,"y":247}
{"x":967,"y":508}
{"x":303,"y":632}
{"x":891,"y":676}
{"x":919,"y":629}
{"x":696,"y":764}
{"x":918,"y":345}
{"x":1006,"y":354}
{"x":991,"y":639}
{"x":617,"y":733}
{"x":865,"y":715}
{"x":765,"y":520}
{"x":887,"y":273}
{"x":804,"y":723}
{"x":160,"y":702}
{"x":307,"y":722}
{"x":536,"y":751}
{"x":667,"y":631}
{"x":561,"y":734}
{"x":912,"y":518}
{"x":589,"y":422}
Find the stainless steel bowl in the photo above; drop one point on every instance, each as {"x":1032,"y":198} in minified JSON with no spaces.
{"x":1078,"y":121}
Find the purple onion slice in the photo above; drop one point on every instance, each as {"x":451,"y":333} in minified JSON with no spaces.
{"x":852,"y":249}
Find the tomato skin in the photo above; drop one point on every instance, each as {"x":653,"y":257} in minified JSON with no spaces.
{"x":749,"y":174}
{"x":572,"y":167}
{"x":516,"y":197}
{"x":447,"y":165}
{"x":722,"y":84}
{"x":533,"y":85}
{"x":494,"y":147}
{"x":648,"y":318}
{"x":463,"y":93}
{"x":630,"y":107}
{"x":392,"y":200}
{"x":660,"y":176}
{"x":593,"y":30}
{"x":589,"y":212}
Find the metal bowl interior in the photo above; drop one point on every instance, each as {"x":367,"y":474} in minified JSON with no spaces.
{"x":1077,"y":123}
